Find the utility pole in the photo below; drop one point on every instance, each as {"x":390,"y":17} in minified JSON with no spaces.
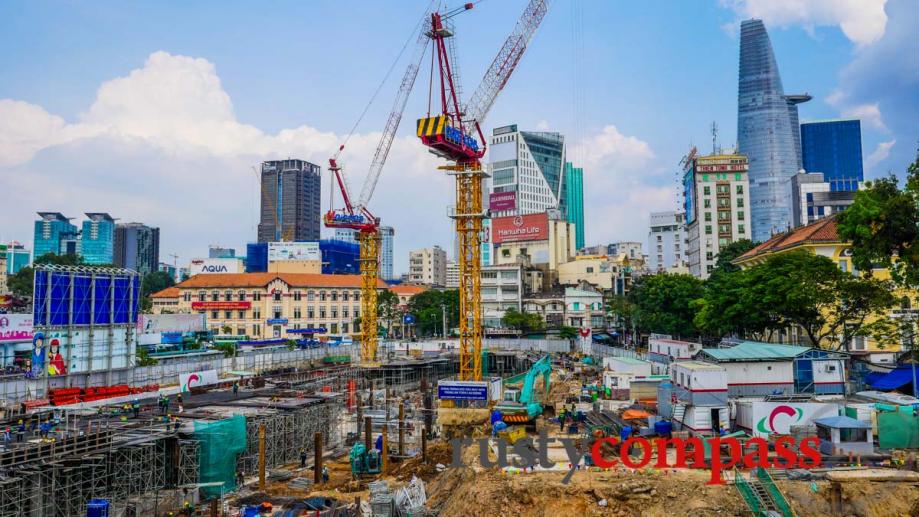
{"x":443,"y":308}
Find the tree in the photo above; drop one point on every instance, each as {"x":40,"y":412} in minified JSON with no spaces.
{"x":522,"y":322}
{"x":387,"y":309}
{"x":731,"y":251}
{"x":621,"y":310}
{"x":664,"y":303}
{"x":807,"y":290}
{"x":428,"y":309}
{"x":143,"y":357}
{"x":155,"y":282}
{"x":566,"y":332}
{"x":883,"y":226}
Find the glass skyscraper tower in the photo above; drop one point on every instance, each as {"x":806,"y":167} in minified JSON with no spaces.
{"x":767,"y":132}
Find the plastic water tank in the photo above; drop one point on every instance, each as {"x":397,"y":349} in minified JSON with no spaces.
{"x":625,"y":433}
{"x":97,"y":508}
{"x":663,"y":427}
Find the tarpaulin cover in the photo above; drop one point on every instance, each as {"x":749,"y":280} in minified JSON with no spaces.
{"x":220,"y":443}
{"x":630,"y":414}
{"x":898,"y":429}
{"x":897,"y":378}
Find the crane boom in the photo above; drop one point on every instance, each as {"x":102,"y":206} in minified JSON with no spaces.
{"x":395,"y":117}
{"x":504,"y":64}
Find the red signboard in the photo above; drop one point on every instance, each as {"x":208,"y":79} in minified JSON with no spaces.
{"x":221,"y":306}
{"x":531,"y":227}
{"x":501,"y":201}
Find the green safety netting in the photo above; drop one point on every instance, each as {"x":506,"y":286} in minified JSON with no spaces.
{"x":220,"y":443}
{"x":898,"y":428}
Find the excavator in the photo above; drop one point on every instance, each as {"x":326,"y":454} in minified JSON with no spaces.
{"x":521,"y":406}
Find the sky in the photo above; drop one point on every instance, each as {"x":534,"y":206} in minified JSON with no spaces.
{"x":158,"y":112}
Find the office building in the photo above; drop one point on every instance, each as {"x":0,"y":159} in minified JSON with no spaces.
{"x":717,"y":205}
{"x":17,"y":257}
{"x":767,"y":132}
{"x":387,"y":236}
{"x":55,"y":234}
{"x":630,"y":249}
{"x":137,"y":247}
{"x":574,"y":181}
{"x":834,"y":148}
{"x":813,"y":198}
{"x":290,"y":201}
{"x":346,"y":234}
{"x":97,"y":240}
{"x":453,"y":275}
{"x":428,"y":266}
{"x":544,"y":240}
{"x":527,"y":169}
{"x":215,"y":251}
{"x":666,"y":241}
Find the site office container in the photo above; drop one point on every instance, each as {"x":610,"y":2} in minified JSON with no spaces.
{"x":756,"y":378}
{"x":699,"y":384}
{"x":665,"y":350}
{"x":636,"y":367}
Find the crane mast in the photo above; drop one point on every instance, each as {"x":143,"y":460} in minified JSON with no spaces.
{"x":454,"y":134}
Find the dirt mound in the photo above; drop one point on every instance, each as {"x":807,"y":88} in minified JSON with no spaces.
{"x":863,"y":498}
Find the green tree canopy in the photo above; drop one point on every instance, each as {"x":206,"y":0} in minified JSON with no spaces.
{"x":428,"y":307}
{"x":387,"y":310}
{"x":730,"y":252}
{"x":664,"y":303}
{"x":523,"y":322}
{"x":22,"y":282}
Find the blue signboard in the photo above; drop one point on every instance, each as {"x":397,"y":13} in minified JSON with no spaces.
{"x":277,"y":321}
{"x":408,"y":319}
{"x":462,"y":390}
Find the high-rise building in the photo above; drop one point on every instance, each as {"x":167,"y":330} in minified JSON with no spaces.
{"x":717,"y":204}
{"x":97,"y":240}
{"x":345,"y":234}
{"x":290,"y":201}
{"x":527,"y":169}
{"x":137,"y":247}
{"x":666,"y":241}
{"x":215,"y":251}
{"x":428,"y":266}
{"x":834,"y":148}
{"x":453,"y":275}
{"x":17,"y":257}
{"x":55,"y":234}
{"x":387,"y":235}
{"x":813,"y":198}
{"x":767,"y":132}
{"x":574,"y":181}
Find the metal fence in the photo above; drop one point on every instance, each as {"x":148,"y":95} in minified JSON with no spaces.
{"x":535,"y":345}
{"x":611,"y":351}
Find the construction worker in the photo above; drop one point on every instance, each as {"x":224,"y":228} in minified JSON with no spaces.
{"x":135,"y":407}
{"x":176,"y":423}
{"x":235,"y":388}
{"x":188,"y":509}
{"x":325,"y":474}
{"x":561,"y":420}
{"x":240,"y":478}
{"x":302,"y":457}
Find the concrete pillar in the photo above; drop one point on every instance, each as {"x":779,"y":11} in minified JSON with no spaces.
{"x":317,"y":458}
{"x":401,"y":429}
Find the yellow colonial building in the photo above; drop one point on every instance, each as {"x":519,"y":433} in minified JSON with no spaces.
{"x":822,"y":238}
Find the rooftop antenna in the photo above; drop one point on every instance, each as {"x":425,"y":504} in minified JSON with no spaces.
{"x":714,"y":137}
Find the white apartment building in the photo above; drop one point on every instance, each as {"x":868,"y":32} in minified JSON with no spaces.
{"x":428,"y":266}
{"x":531,"y":166}
{"x":717,"y":203}
{"x":502,"y":289}
{"x":666,"y":241}
{"x":453,"y":276}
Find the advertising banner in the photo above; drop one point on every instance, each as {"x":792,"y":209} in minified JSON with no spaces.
{"x":778,"y":417}
{"x":282,"y":251}
{"x":154,"y":323}
{"x":194,"y":379}
{"x":15,"y":327}
{"x":220,"y":306}
{"x":530,"y":227}
{"x":500,"y":201}
{"x":462,"y":390}
{"x":214,"y":265}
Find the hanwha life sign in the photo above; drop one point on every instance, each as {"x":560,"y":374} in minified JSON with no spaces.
{"x":520,"y":228}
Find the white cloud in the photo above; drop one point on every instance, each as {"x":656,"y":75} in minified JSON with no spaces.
{"x":870,"y":114}
{"x":542,"y":125}
{"x":610,"y":150}
{"x":880,"y":153}
{"x":862,"y":21}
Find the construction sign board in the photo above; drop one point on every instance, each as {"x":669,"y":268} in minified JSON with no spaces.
{"x":462,"y":390}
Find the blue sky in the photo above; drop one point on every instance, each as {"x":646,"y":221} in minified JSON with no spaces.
{"x":156,"y":111}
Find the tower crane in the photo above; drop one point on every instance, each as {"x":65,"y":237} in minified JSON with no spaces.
{"x":454,"y":134}
{"x":356,"y":215}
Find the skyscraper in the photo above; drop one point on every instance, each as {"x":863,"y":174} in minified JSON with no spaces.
{"x":574,"y":181}
{"x":137,"y":247}
{"x":834,"y":147}
{"x":387,"y":234}
{"x":97,"y":240}
{"x":767,"y":131}
{"x":55,"y":234}
{"x":528,"y":169}
{"x":290,"y":201}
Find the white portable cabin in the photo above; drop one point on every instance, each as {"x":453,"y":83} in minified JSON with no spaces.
{"x":666,"y":350}
{"x":636,"y":367}
{"x":700,"y":396}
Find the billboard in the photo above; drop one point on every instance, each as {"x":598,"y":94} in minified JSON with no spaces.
{"x":485,"y":253}
{"x":778,"y":417}
{"x":15,"y":327}
{"x":221,"y":306}
{"x":689,"y":196}
{"x":520,"y":228}
{"x":60,"y":352}
{"x":85,"y":296}
{"x":462,"y":390}
{"x":155,"y":323}
{"x":281,"y":251}
{"x":195,"y":379}
{"x":215,"y":265}
{"x":501,"y":201}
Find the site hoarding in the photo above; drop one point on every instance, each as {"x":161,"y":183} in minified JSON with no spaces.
{"x":284,"y":251}
{"x":768,"y":418}
{"x":154,"y":323}
{"x":60,"y":352}
{"x":15,"y":327}
{"x":520,"y":228}
{"x":501,"y":201}
{"x":187,"y":381}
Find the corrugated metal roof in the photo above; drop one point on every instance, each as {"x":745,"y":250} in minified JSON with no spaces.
{"x":698,"y":365}
{"x":753,"y":350}
{"x":628,"y":360}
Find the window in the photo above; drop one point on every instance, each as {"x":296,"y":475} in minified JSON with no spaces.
{"x":242,"y":315}
{"x":844,"y":266}
{"x":334,"y":296}
{"x":344,"y":328}
{"x":228,"y":315}
{"x":215,"y":296}
{"x":709,"y":255}
{"x":740,"y":216}
{"x":297,"y":296}
{"x":322,"y":313}
{"x":334,"y":313}
{"x":708,"y":229}
{"x":708,"y":216}
{"x":186,"y":296}
{"x":257,"y":296}
{"x":276,"y":310}
{"x":256,"y":313}
{"x":724,"y":216}
{"x":344,"y":312}
{"x":706,"y":190}
{"x":276,"y":296}
{"x":590,"y":270}
{"x":740,"y":202}
{"x":241,"y":296}
{"x":309,"y":313}
{"x":741,"y":229}
{"x":707,"y":203}
{"x":296,"y":313}
{"x":256,"y":330}
{"x":344,"y":296}
{"x":228,"y":296}
{"x":334,"y":328}
{"x":310,"y":296}
{"x":240,"y":331}
{"x":739,"y":189}
{"x":215,"y":315}
{"x":321,"y":296}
